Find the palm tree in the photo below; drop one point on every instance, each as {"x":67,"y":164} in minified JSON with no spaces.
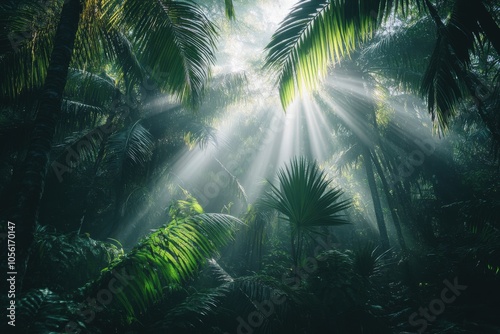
{"x":187,"y":38}
{"x":36,"y":161}
{"x":317,"y":33}
{"x":305,"y":200}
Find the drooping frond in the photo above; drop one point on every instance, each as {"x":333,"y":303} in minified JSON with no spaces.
{"x":173,"y":38}
{"x":166,"y":258}
{"x":441,"y":85}
{"x":119,"y":48}
{"x":401,"y":54}
{"x":90,"y":88}
{"x":80,"y":146}
{"x":444,"y":82}
{"x":317,"y":32}
{"x":128,"y":148}
{"x":230,"y":14}
{"x":27,"y":39}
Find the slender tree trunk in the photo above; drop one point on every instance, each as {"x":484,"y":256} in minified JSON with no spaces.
{"x":384,"y":239}
{"x":390,"y":200}
{"x":37,"y":158}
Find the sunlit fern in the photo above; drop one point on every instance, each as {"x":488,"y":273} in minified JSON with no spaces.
{"x":166,"y":258}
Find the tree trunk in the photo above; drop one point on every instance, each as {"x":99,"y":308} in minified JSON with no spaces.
{"x":384,"y":239}
{"x":36,"y":162}
{"x":392,"y":205}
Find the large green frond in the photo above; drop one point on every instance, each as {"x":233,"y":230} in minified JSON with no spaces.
{"x":446,"y":79}
{"x":318,"y":32}
{"x":166,"y":258}
{"x":229,"y":9}
{"x":442,"y":84}
{"x":173,"y":38}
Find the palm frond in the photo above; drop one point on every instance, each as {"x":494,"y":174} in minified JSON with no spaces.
{"x":442,"y":85}
{"x":241,"y":296}
{"x":305,"y":200}
{"x":89,"y":46}
{"x":89,"y":87}
{"x":446,"y":80}
{"x":317,"y":32}
{"x":304,"y":197}
{"x":401,"y":54}
{"x":79,"y":114}
{"x":63,"y":262}
{"x":166,"y":258}
{"x":200,"y":134}
{"x":191,"y":313}
{"x":120,"y":48}
{"x":80,"y":146}
{"x":219,"y":272}
{"x":229,"y":9}
{"x":173,"y":38}
{"x":29,"y":30}
{"x":131,"y":147}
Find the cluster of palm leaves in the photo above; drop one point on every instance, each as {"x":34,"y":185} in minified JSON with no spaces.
{"x":318,"y":33}
{"x":306,"y":201}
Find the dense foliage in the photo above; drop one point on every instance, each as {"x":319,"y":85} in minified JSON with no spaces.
{"x":203,"y":167}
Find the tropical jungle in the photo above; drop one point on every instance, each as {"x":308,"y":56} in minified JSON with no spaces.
{"x":249,"y":167}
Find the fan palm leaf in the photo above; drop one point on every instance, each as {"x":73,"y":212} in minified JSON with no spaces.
{"x":305,"y":200}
